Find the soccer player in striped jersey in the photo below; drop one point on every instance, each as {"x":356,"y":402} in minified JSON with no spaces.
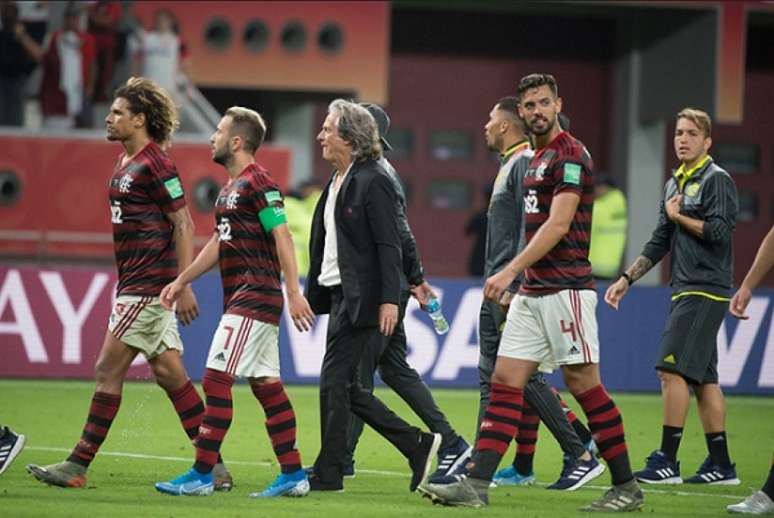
{"x":153,"y":238}
{"x":252,"y":245}
{"x":551,"y":322}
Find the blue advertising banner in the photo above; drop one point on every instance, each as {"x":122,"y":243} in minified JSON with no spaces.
{"x":629,"y":340}
{"x":53,"y":320}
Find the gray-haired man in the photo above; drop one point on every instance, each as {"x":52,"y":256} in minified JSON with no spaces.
{"x":354,"y":275}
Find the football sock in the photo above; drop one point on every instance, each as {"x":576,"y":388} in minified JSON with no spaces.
{"x":526,"y":439}
{"x":189,"y":408}
{"x":280,"y":424}
{"x":670,"y":441}
{"x":216,"y":421}
{"x":102,"y":411}
{"x":607,"y":426}
{"x":718,"y":448}
{"x":498,"y":427}
{"x":768,"y":486}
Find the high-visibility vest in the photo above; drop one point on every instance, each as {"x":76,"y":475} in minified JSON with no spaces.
{"x":608,"y":234}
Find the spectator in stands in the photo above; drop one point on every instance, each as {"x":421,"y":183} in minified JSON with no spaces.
{"x":158,"y":54}
{"x":69,"y":72}
{"x":104,"y":17}
{"x":19,"y":54}
{"x":608,"y":229}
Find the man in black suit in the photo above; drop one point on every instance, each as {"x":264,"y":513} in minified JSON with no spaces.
{"x":354,"y":275}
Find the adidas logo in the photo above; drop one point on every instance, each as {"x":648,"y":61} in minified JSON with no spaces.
{"x":220,"y":357}
{"x":574,"y":350}
{"x":487,"y":424}
{"x":670,"y":359}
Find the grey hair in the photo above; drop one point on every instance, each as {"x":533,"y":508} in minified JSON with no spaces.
{"x":357,"y":127}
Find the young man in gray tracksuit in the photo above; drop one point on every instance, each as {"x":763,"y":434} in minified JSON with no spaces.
{"x":696,"y":223}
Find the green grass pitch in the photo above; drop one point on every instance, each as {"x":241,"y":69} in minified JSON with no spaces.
{"x":146,"y":444}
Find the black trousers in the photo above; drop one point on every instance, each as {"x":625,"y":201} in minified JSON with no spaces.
{"x":342,"y":395}
{"x":388,"y":354}
{"x":537,"y":393}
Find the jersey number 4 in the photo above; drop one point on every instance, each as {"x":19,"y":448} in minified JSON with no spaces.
{"x":570,"y":329}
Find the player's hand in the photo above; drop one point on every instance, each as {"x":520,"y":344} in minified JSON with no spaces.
{"x":187,"y":308}
{"x":423,"y":293}
{"x":300,"y":312}
{"x":673,"y":206}
{"x":615,"y":292}
{"x":739,"y":303}
{"x":388,"y":318}
{"x":170,"y":294}
{"x":497,"y":284}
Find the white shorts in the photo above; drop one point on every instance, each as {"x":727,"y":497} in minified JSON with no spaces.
{"x":143,"y":323}
{"x":553,"y":330}
{"x":245,"y":347}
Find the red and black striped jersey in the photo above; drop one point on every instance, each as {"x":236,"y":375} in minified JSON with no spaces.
{"x":564,"y":165}
{"x":142,"y":191}
{"x":249,"y":265}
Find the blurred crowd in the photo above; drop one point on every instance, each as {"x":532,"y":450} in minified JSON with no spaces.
{"x":71,"y":55}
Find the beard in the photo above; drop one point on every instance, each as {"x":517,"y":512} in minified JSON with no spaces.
{"x":539,"y":132}
{"x":222,"y":156}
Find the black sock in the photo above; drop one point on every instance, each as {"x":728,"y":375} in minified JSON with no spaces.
{"x":484,"y":464}
{"x":670,"y":441}
{"x":768,"y":486}
{"x":583,"y":433}
{"x":523,"y":464}
{"x":718,"y":448}
{"x":620,"y":470}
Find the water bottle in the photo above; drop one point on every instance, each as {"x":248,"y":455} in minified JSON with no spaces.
{"x":433,"y":308}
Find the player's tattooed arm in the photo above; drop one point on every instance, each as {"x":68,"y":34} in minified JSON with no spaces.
{"x":640,"y":267}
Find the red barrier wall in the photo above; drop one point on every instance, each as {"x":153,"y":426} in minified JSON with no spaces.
{"x":63,"y":209}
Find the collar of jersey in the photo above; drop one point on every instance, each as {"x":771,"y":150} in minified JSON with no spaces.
{"x":518,"y":146}
{"x":682,"y":176}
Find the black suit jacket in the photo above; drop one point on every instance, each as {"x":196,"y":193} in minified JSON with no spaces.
{"x":369,"y":248}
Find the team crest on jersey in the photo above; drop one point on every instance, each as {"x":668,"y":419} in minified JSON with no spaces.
{"x":126,"y":183}
{"x":540,"y":172}
{"x":692,"y":190}
{"x":232,"y":200}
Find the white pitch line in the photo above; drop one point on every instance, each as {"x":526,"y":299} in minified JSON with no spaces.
{"x":367,"y":471}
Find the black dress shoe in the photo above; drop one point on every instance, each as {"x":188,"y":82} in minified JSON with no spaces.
{"x":421,"y":460}
{"x":316,"y":484}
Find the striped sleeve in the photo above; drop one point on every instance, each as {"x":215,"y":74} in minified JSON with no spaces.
{"x":721,"y":208}
{"x":164,"y":186}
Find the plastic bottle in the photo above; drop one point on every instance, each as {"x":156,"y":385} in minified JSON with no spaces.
{"x":433,"y":308}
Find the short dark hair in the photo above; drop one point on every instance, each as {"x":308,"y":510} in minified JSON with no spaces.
{"x":510,"y":105}
{"x":249,"y":125}
{"x":535,"y":81}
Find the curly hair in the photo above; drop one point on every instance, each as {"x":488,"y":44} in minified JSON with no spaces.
{"x":146,"y":97}
{"x":357,"y":127}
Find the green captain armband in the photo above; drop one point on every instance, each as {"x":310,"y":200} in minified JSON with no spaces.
{"x":272,"y":217}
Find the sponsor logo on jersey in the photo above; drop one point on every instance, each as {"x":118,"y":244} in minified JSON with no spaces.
{"x":692,"y":190}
